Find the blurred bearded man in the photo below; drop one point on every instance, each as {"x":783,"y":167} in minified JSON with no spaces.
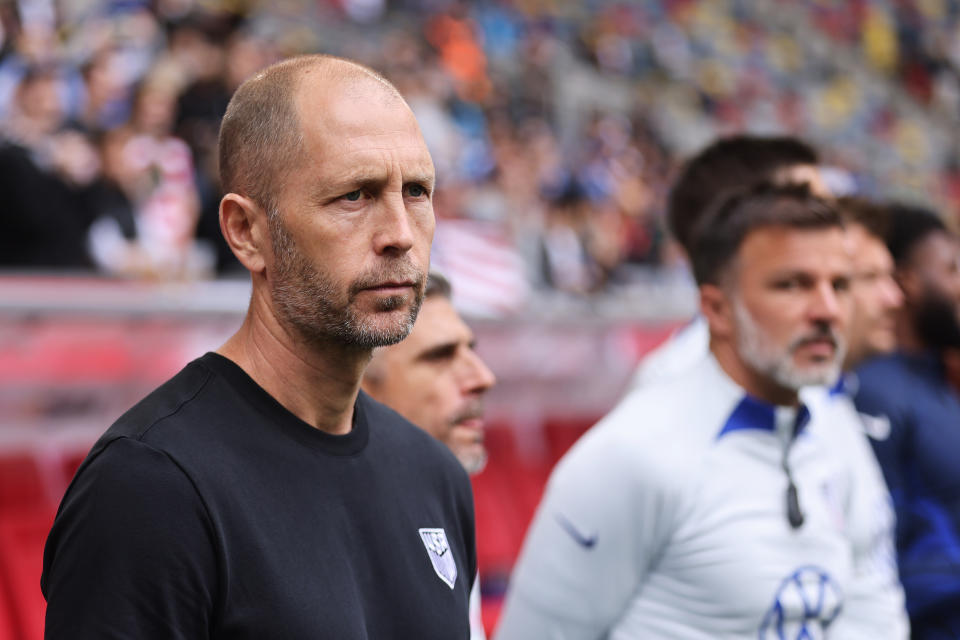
{"x":260,"y":493}
{"x":913,"y":416}
{"x":713,"y":504}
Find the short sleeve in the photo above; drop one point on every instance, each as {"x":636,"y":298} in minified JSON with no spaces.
{"x":131,"y":552}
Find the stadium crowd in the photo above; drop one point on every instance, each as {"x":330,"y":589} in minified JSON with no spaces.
{"x":556,"y":127}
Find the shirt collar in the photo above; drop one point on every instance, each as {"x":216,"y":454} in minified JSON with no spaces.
{"x":753,"y":413}
{"x":750,"y":412}
{"x":847,"y":384}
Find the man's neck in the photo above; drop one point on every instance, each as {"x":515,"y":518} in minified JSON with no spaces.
{"x":316,"y":382}
{"x":758,"y":386}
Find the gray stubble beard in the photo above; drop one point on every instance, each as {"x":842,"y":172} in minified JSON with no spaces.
{"x":305,"y":298}
{"x":754,"y":348}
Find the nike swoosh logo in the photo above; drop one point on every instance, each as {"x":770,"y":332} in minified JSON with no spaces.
{"x":585,"y":541}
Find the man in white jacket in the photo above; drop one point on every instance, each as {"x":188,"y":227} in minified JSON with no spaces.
{"x":711,"y":505}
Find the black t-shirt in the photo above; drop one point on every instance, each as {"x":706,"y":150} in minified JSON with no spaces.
{"x":210,"y":511}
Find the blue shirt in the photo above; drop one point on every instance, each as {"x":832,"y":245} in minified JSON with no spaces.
{"x":913,"y":415}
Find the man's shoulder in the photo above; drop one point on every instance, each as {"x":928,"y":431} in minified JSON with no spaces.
{"x":674,"y":357}
{"x":885,"y":370}
{"x":887,"y":383}
{"x":690,"y":407}
{"x":163,"y":403}
{"x":656,"y":430}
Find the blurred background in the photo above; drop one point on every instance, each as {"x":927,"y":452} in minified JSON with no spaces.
{"x":555,"y":126}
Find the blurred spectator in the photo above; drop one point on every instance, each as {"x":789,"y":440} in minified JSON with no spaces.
{"x":200,"y":107}
{"x":154,"y":171}
{"x":515,"y":100}
{"x":567,"y":263}
{"x":45,"y":173}
{"x":106,"y":105}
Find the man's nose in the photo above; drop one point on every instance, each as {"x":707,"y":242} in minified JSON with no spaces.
{"x":826,"y":305}
{"x":394,"y":232}
{"x":477,"y":376}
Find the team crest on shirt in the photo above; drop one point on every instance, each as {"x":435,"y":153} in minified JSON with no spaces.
{"x":441,"y":555}
{"x":805,"y":605}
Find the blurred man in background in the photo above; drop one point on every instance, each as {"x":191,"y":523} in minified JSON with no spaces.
{"x":711,"y":504}
{"x":876,"y":294}
{"x":726,"y":165}
{"x":436,"y":380}
{"x":45,"y":174}
{"x":871,"y":331}
{"x":913,"y":417}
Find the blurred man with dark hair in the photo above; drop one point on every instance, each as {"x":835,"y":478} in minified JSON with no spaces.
{"x":45,"y":173}
{"x":913,"y":416}
{"x":712,"y":505}
{"x":730,"y":164}
{"x":726,"y":165}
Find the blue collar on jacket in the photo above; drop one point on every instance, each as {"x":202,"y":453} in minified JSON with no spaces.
{"x":753,"y":413}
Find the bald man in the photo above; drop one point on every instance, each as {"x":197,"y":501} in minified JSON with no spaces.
{"x":259,"y":493}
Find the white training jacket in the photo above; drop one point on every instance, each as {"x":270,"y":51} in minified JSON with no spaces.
{"x":668,"y":519}
{"x":684,"y":348}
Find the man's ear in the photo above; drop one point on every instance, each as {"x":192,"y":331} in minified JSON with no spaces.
{"x":243,"y":224}
{"x":717,"y":308}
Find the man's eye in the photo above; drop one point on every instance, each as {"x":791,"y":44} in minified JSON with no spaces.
{"x":353,"y":196}
{"x":416,"y":191}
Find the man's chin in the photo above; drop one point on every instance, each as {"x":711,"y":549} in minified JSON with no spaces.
{"x":808,"y":375}
{"x":473,"y":459}
{"x":385,"y":328}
